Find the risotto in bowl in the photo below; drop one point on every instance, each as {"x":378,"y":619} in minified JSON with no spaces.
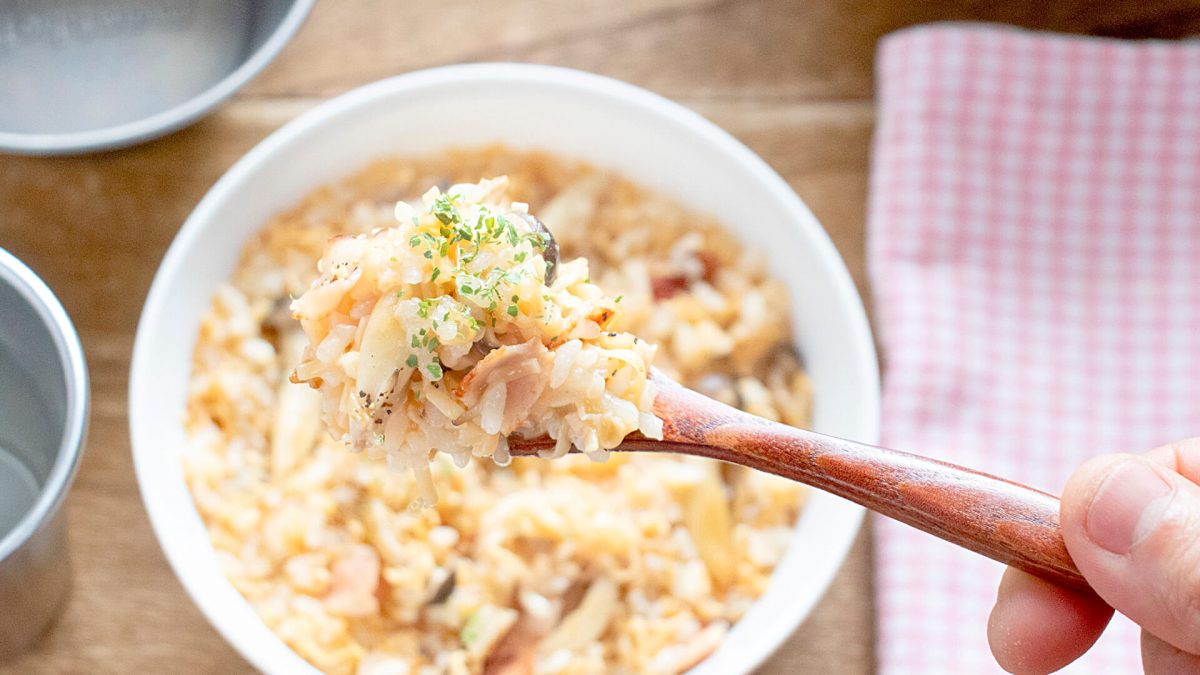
{"x":307,"y":556}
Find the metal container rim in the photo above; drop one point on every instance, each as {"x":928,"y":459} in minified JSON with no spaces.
{"x":38,"y":295}
{"x":165,"y":121}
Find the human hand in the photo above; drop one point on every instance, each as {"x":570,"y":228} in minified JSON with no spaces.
{"x":1132,"y":525}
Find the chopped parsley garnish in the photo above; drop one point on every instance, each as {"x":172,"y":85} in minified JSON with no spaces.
{"x":483,"y":258}
{"x":445,"y":210}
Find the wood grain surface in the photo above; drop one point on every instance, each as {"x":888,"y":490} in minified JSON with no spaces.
{"x":792,"y":79}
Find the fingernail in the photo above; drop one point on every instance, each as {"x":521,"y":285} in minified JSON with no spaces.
{"x":1126,"y":505}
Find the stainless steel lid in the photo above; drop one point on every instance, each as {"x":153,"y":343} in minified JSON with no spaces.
{"x":82,"y":75}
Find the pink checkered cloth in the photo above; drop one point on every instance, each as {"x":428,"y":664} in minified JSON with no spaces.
{"x":1035,"y":254}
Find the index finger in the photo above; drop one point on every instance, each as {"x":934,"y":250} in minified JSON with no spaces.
{"x":1039,"y":627}
{"x":1182,"y":457}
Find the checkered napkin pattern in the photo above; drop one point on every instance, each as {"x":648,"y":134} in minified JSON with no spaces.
{"x":1034,"y":246}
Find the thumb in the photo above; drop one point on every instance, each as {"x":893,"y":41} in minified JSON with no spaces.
{"x":1130,"y":524}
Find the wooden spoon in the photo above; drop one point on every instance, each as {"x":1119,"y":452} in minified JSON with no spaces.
{"x":1009,"y":522}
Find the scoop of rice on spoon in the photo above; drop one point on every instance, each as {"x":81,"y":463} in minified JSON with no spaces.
{"x":458,"y":330}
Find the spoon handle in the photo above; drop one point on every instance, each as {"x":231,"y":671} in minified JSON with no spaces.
{"x":1009,"y":522}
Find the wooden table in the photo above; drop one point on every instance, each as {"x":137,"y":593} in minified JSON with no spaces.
{"x":791,"y":79}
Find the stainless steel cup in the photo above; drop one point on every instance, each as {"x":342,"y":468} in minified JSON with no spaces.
{"x":43,"y":420}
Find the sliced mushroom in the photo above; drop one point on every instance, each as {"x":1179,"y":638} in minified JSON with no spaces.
{"x":381,"y":364}
{"x":515,"y":652}
{"x":297,"y":425}
{"x":444,"y":588}
{"x":708,"y":520}
{"x":297,"y":414}
{"x":589,"y":620}
{"x":550,"y":249}
{"x":682,"y":657}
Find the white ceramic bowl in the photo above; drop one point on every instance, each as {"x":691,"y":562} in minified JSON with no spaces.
{"x":613,"y":125}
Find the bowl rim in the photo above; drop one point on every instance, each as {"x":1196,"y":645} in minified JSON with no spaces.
{"x":164,"y":121}
{"x":157,"y":301}
{"x":51,"y":495}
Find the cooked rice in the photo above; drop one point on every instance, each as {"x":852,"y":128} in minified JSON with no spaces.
{"x":638,"y":564}
{"x":444,"y":333}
